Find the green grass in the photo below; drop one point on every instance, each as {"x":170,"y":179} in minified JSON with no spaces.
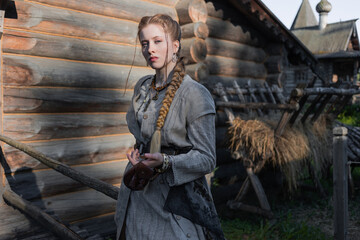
{"x":350,"y":115}
{"x":287,"y":228}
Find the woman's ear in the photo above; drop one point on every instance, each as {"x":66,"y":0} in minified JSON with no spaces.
{"x":176,"y":45}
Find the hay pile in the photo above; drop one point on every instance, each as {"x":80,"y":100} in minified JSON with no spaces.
{"x":291,"y":151}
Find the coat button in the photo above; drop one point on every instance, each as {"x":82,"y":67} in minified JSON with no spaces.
{"x":178,"y":217}
{"x":188,"y":235}
{"x":145,"y":116}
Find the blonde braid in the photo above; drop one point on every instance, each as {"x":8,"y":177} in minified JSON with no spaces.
{"x":177,"y":79}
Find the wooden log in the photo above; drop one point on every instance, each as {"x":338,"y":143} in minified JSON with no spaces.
{"x":76,"y":206}
{"x":256,"y":105}
{"x":125,"y":9}
{"x":226,"y":30}
{"x":235,"y":68}
{"x":340,"y":195}
{"x":35,"y":17}
{"x":221,"y":92}
{"x":57,"y":100}
{"x":258,"y":190}
{"x":196,"y":29}
{"x":248,"y":208}
{"x":194,"y":50}
{"x":253,"y":98}
{"x":71,"y":152}
{"x":56,"y":126}
{"x":333,"y":91}
{"x":190,"y":11}
{"x":274,"y":64}
{"x":227,"y":81}
{"x":235,"y":50}
{"x":26,"y":228}
{"x":41,"y":217}
{"x":94,"y":183}
{"x":240,"y":94}
{"x":69,"y":48}
{"x":198,"y":71}
{"x":170,"y":3}
{"x":33,"y":71}
{"x":32,"y":185}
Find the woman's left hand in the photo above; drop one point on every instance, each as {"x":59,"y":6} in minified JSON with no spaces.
{"x":153,"y":160}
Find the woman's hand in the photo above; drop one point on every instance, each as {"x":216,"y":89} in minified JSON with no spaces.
{"x":152,"y":160}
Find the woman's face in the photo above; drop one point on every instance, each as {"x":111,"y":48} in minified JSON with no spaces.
{"x":154,"y":45}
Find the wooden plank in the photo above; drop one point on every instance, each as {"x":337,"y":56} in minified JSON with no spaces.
{"x":57,"y":100}
{"x":235,"y":50}
{"x":234,"y":67}
{"x":44,"y":219}
{"x":340,"y":195}
{"x":34,"y":71}
{"x":71,"y":151}
{"x":17,"y":226}
{"x":37,"y":44}
{"x":78,"y":205}
{"x":124,"y":9}
{"x":36,"y":17}
{"x":226,"y":30}
{"x":103,"y":225}
{"x":56,"y":126}
{"x":32,"y":185}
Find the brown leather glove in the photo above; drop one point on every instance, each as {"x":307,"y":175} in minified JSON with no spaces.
{"x":138,"y":176}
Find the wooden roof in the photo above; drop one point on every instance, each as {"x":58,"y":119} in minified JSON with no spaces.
{"x":334,"y":38}
{"x":305,"y":16}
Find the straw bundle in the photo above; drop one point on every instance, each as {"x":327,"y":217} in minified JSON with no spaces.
{"x":290,"y":151}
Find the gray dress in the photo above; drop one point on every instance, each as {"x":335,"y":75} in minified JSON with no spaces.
{"x":189,"y":123}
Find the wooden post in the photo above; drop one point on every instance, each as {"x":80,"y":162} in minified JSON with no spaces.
{"x":340,"y":179}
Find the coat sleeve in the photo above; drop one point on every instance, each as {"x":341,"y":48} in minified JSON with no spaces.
{"x":200,"y":128}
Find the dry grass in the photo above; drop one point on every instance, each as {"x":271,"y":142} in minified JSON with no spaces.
{"x":292,"y":151}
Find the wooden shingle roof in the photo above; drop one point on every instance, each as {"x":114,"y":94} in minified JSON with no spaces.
{"x":305,"y":16}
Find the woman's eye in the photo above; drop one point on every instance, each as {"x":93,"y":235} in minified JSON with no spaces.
{"x":157,"y":41}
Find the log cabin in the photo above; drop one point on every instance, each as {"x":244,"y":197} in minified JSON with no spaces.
{"x":64,"y":66}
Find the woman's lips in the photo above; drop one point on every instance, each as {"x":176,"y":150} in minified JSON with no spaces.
{"x":153,"y":59}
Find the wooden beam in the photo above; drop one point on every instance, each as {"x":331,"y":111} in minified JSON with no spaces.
{"x":36,"y":44}
{"x":194,"y":50}
{"x":196,"y":29}
{"x":45,"y":127}
{"x":333,"y":91}
{"x":57,"y":100}
{"x":198,"y":71}
{"x":235,"y":50}
{"x":71,"y":151}
{"x":256,"y":105}
{"x":40,"y":216}
{"x":34,"y":71}
{"x":125,"y":9}
{"x":234,"y":67}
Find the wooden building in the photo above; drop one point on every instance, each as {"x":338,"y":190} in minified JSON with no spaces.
{"x":64,"y":65}
{"x":335,"y":45}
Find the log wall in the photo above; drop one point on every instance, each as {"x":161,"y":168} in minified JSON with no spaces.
{"x":235,"y":49}
{"x":64,"y":66}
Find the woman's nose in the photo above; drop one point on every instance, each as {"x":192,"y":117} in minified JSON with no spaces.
{"x":150,"y":48}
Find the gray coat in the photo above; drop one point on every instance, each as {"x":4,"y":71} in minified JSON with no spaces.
{"x":189,"y":123}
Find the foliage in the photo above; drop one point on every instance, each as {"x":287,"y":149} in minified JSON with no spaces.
{"x":350,"y":115}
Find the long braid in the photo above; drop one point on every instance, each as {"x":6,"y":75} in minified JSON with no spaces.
{"x":177,"y":79}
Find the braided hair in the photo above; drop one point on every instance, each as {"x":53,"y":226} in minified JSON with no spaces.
{"x":172,"y":28}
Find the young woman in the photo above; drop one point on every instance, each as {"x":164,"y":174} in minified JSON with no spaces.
{"x":164,"y":194}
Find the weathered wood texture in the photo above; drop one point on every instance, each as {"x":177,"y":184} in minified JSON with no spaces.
{"x":198,"y":71}
{"x":227,"y":81}
{"x":69,"y":48}
{"x":34,"y":71}
{"x":26,"y":228}
{"x":194,"y":50}
{"x":124,"y":9}
{"x":235,"y":50}
{"x":78,"y":205}
{"x":103,"y":225}
{"x":56,"y":126}
{"x":71,"y":151}
{"x":190,"y":11}
{"x":234,"y":67}
{"x":59,"y":229}
{"x":197,"y":29}
{"x":32,"y":185}
{"x":36,"y":17}
{"x":226,"y":30}
{"x":56,"y":100}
